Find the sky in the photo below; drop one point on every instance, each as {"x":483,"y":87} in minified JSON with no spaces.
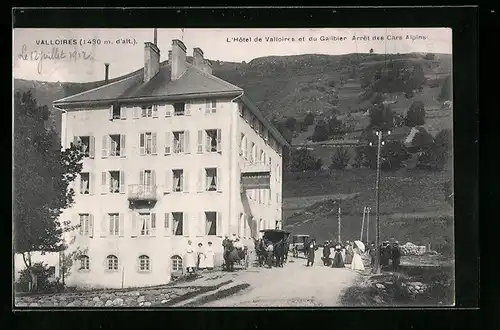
{"x":39,"y":54}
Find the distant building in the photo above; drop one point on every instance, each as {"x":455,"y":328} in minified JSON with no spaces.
{"x":166,"y":153}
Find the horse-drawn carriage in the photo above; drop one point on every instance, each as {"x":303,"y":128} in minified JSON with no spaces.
{"x":298,"y":244}
{"x":276,"y":256}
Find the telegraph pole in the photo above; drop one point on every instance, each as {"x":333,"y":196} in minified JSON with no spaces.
{"x":339,"y":224}
{"x":376,"y":270}
{"x":362,"y":224}
{"x":368,"y":224}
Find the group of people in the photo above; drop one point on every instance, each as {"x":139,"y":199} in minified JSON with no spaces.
{"x":389,"y":253}
{"x":199,"y":259}
{"x":342,"y":255}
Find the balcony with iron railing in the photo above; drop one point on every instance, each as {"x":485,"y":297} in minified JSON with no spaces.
{"x":141,"y":192}
{"x":256,"y":167}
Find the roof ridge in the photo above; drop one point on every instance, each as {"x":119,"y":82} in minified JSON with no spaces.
{"x":94,"y":89}
{"x":211,"y":76}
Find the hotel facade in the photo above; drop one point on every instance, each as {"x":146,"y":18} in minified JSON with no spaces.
{"x":172,"y":153}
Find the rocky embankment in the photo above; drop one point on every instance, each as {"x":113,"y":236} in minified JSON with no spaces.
{"x":138,"y":297}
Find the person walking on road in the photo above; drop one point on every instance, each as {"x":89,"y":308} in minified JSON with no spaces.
{"x":357,"y":262}
{"x":338,"y":261}
{"x":326,"y":254}
{"x":349,"y":253}
{"x":395,"y":255}
{"x":311,"y":249}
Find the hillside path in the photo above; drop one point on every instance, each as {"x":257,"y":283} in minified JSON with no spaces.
{"x":294,"y":285}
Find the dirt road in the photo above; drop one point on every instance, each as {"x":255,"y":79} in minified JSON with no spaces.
{"x":294,"y":285}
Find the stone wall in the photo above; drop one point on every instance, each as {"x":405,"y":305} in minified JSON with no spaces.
{"x":138,"y":297}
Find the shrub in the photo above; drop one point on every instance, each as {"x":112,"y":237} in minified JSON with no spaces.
{"x":445,"y":94}
{"x":335,"y":126}
{"x":340,"y":159}
{"x":42,"y":273}
{"x":320,"y":132}
{"x":429,"y":56}
{"x":381,"y":117}
{"x":304,"y":160}
{"x":422,"y":140}
{"x":291,"y":123}
{"x":309,"y":119}
{"x":358,"y":158}
{"x":415,"y":115}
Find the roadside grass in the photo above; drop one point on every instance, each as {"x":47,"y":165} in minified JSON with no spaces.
{"x":396,"y":289}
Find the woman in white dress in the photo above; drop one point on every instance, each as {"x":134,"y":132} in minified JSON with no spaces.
{"x":189,"y":258}
{"x":201,"y":256}
{"x":357,"y":262}
{"x":209,"y":256}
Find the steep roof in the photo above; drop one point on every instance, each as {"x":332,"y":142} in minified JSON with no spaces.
{"x":194,"y":81}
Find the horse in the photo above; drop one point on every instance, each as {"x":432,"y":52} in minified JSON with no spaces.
{"x":260,"y":251}
{"x":279,"y":253}
{"x":231,"y":256}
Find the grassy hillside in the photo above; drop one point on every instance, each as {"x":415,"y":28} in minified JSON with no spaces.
{"x":411,"y":203}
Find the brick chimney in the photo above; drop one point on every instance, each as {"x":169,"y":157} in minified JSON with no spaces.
{"x":151,"y":61}
{"x":198,"y":60}
{"x":178,"y":64}
{"x":207,"y":66}
{"x":106,"y":73}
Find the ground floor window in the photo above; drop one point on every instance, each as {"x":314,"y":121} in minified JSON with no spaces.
{"x":144,"y":264}
{"x":176,"y":262}
{"x":84,"y":262}
{"x":112,"y":262}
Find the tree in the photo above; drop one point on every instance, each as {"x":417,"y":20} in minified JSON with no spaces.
{"x":304,"y":160}
{"x":393,"y":154}
{"x":340,"y":159}
{"x":429,"y":56}
{"x":371,"y":50}
{"x":418,"y":79}
{"x":415,"y":116}
{"x":42,"y":274}
{"x":381,"y":117}
{"x":43,"y":174}
{"x":434,"y":158}
{"x":320,"y":132}
{"x":335,"y":126}
{"x":422,"y":140}
{"x":445,"y":94}
{"x":309,"y":119}
{"x":291,"y":123}
{"x":444,"y":139}
{"x":358,"y":158}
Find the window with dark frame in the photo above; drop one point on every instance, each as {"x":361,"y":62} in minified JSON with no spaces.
{"x":179,"y":109}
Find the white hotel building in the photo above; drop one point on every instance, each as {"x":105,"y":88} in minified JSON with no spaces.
{"x":167,"y":154}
